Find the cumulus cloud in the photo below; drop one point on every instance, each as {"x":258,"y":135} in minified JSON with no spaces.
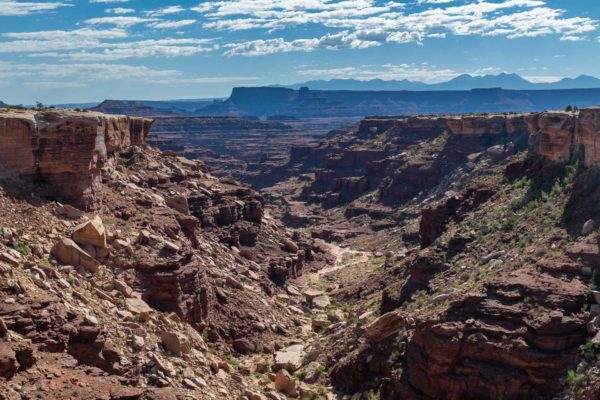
{"x":367,"y":23}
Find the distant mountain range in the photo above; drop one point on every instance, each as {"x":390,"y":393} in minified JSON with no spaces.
{"x":461,"y":82}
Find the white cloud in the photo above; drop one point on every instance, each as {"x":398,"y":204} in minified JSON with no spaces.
{"x":53,"y":41}
{"x":75,"y":34}
{"x":108,"y":1}
{"x":121,"y":22}
{"x":18,"y":8}
{"x":264,"y":47}
{"x":366,"y":23}
{"x":164,"y":48}
{"x":119,"y":10}
{"x":92,"y":47}
{"x":165,"y":11}
{"x":173,"y":24}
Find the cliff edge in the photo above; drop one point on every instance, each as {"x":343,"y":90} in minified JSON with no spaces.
{"x":62,"y":152}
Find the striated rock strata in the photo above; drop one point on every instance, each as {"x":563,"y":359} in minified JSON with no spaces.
{"x":63,"y":152}
{"x":492,"y":345}
{"x":563,"y":137}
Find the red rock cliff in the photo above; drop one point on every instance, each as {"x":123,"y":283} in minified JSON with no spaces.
{"x":562,"y":137}
{"x":64,"y":151}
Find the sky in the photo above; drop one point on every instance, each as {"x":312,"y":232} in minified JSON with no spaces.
{"x":88,"y":50}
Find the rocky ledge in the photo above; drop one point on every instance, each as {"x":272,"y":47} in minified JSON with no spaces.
{"x":62,"y":152}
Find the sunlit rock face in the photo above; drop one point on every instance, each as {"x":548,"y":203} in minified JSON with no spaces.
{"x":563,"y":137}
{"x":62,"y":152}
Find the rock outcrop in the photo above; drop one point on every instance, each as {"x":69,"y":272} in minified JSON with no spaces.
{"x":563,"y":137}
{"x":62,"y":152}
{"x":492,"y":345}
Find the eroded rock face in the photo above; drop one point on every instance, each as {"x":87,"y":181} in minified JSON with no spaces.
{"x":495,"y":125}
{"x":588,"y":135}
{"x":552,"y":135}
{"x":492,"y":345}
{"x":563,"y":137}
{"x":62,"y":152}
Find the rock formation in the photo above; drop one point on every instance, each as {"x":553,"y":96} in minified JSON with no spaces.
{"x":62,"y":153}
{"x":564,"y":137}
{"x":488,"y":346}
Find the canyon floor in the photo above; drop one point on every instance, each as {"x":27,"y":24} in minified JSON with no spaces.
{"x":427,"y":257}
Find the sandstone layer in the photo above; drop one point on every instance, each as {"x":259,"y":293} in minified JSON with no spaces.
{"x":563,"y":137}
{"x":63,"y":152}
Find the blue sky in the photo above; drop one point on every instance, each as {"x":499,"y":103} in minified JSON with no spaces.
{"x":89,"y":50}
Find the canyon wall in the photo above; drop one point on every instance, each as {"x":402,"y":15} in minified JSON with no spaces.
{"x":62,"y":152}
{"x":563,"y":137}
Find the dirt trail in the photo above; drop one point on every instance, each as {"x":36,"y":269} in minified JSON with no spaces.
{"x":341,"y":256}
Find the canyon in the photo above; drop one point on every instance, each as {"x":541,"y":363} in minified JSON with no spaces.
{"x":420,"y":256}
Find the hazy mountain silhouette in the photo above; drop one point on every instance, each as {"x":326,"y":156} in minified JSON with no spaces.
{"x":461,"y":82}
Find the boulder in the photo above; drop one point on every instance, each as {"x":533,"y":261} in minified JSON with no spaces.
{"x":68,"y":211}
{"x":137,"y":306}
{"x":178,"y":203}
{"x":91,"y":232}
{"x":284,"y":383}
{"x":9,"y":259}
{"x":122,"y":287}
{"x":310,"y":294}
{"x":313,"y":371}
{"x":67,"y":252}
{"x":176,"y":342}
{"x":383,"y":327}
{"x":321,"y":302}
{"x":289,"y":245}
{"x":244,"y":346}
{"x":188,"y":223}
{"x":588,"y":227}
{"x":290,"y":358}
